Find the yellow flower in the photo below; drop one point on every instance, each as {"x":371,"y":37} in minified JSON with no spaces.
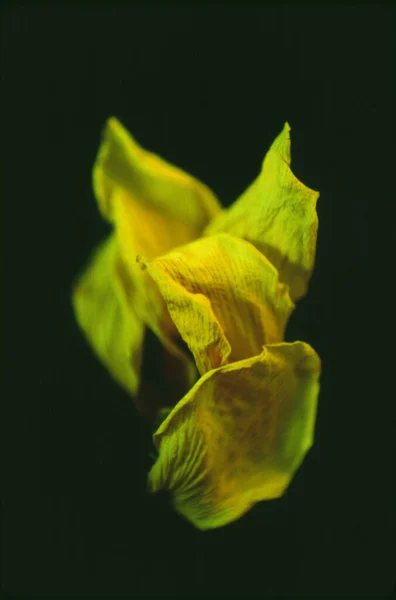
{"x":223,"y":284}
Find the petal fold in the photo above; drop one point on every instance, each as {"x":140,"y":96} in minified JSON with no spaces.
{"x":239,"y":435}
{"x":277,"y":214}
{"x":224,"y":298}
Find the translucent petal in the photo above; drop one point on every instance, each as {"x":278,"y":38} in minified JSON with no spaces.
{"x":239,"y":435}
{"x":104,"y":308}
{"x":277,"y":214}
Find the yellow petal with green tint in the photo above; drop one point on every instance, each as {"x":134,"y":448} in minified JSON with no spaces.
{"x":103,"y":301}
{"x":277,"y":214}
{"x":224,"y":297}
{"x":239,"y":435}
{"x":110,"y":304}
{"x":153,"y":207}
{"x":162,"y":206}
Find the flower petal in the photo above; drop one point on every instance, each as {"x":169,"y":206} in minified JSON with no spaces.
{"x":224,"y":298}
{"x":239,"y":435}
{"x":277,"y":214}
{"x":110,"y":303}
{"x":157,"y":205}
{"x":153,"y":207}
{"x":104,"y":308}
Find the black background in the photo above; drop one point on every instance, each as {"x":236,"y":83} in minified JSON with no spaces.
{"x":208,"y":87}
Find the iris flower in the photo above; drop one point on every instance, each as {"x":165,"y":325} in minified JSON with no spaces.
{"x":217,"y":288}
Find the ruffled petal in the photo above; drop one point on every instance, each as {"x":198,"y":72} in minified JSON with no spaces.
{"x":239,"y":435}
{"x":224,"y":298}
{"x":277,"y":214}
{"x":155,"y":205}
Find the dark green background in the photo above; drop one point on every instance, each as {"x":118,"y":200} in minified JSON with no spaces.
{"x":208,"y":87}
